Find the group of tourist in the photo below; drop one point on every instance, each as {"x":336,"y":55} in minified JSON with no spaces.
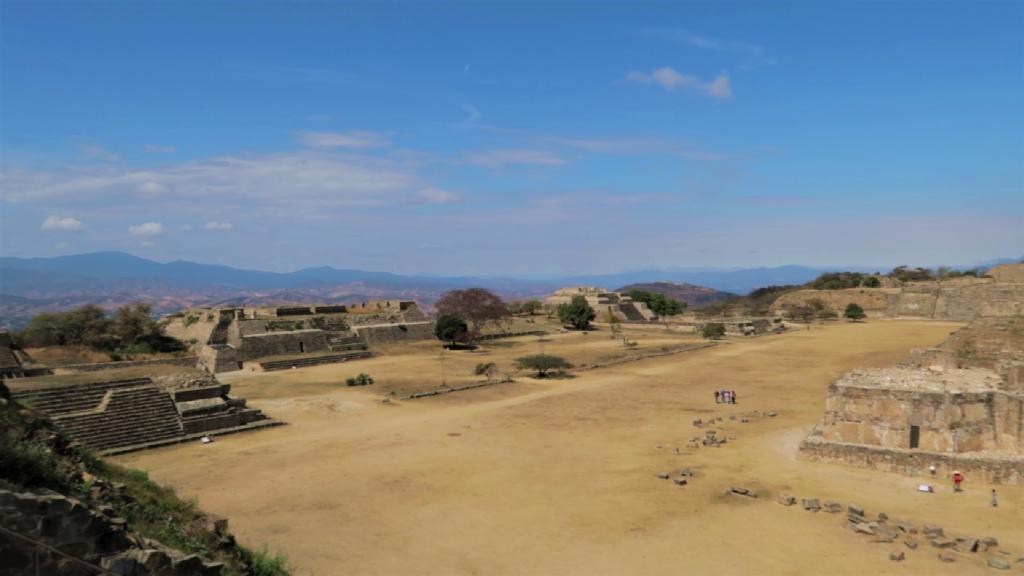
{"x":725,"y":396}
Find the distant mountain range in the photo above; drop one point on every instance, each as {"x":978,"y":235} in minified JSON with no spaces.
{"x":32,"y":285}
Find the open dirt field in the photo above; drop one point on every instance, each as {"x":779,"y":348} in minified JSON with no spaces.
{"x":560,"y":476}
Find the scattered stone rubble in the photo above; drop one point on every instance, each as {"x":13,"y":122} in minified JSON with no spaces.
{"x":885,"y":530}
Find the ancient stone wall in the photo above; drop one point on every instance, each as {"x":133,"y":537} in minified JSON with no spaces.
{"x":993,"y":469}
{"x":874,"y":301}
{"x":1008,"y":273}
{"x":187,"y":361}
{"x":282,"y":343}
{"x":396,"y":333}
{"x":963,"y":422}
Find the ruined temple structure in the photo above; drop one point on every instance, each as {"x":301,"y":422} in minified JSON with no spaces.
{"x":604,"y":303}
{"x":957,"y":406}
{"x":999,"y":293}
{"x":127,"y":409}
{"x":274,"y":338}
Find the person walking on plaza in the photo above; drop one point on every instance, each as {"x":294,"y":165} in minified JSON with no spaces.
{"x":718,"y":396}
{"x":958,"y":479}
{"x":995,"y":502}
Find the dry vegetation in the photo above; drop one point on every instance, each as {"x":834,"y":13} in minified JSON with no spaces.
{"x":560,"y":476}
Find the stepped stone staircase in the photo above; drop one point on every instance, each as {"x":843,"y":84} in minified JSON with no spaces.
{"x":349,"y":347}
{"x":300,"y":362}
{"x":631,"y":313}
{"x":120,"y":416}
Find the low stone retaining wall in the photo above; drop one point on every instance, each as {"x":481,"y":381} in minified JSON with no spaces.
{"x":485,"y":337}
{"x":187,"y":361}
{"x":439,"y":391}
{"x":994,"y":469}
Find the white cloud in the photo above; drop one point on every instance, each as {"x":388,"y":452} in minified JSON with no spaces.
{"x":495,"y":158}
{"x":151,"y":188}
{"x":215,"y":225}
{"x":156,"y":149}
{"x":354,"y":139}
{"x":718,"y":87}
{"x":97,"y":152}
{"x":185,"y":227}
{"x":437,"y":196}
{"x":61,"y":223}
{"x":302,"y":180}
{"x":147,"y":229}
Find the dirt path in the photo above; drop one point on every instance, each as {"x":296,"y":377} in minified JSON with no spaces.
{"x":559,"y":477}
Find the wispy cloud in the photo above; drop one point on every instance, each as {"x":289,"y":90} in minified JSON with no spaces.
{"x":61,"y":223}
{"x":353,"y":139}
{"x":156,"y":149}
{"x":668,"y":78}
{"x":97,"y":152}
{"x":313,"y":180}
{"x":146,"y":229}
{"x":495,"y":158}
{"x":747,"y":55}
{"x":215,"y":225}
{"x":472,"y":117}
{"x":437,"y":196}
{"x":751,"y":55}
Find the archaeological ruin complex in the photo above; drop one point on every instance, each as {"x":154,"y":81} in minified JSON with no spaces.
{"x":272,"y":338}
{"x":959,"y":406}
{"x":999,"y":293}
{"x":605,"y":303}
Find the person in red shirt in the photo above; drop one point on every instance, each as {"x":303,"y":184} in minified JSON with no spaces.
{"x":958,"y":478}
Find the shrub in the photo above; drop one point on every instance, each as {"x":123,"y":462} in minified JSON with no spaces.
{"x":871,"y":282}
{"x":854,"y":312}
{"x":713,"y":330}
{"x":191,"y":319}
{"x":266,"y":563}
{"x":360,"y":380}
{"x":827,"y":315}
{"x":486,"y":369}
{"x":543,"y":364}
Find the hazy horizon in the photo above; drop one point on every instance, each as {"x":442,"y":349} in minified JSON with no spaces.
{"x":523,"y":140}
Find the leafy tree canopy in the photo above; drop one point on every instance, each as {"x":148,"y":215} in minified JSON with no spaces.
{"x":543,"y":364}
{"x":658,"y":303}
{"x":450,"y":328}
{"x":577,"y":313}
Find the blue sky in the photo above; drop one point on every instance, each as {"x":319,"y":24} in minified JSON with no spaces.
{"x":514,"y":139}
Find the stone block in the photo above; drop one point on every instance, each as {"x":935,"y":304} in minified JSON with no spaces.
{"x":786,"y":500}
{"x":897,"y":556}
{"x":998,"y":563}
{"x":811,"y":504}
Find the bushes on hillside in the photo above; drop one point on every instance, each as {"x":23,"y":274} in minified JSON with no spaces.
{"x":131,"y":330}
{"x":658,"y":303}
{"x":713,"y":330}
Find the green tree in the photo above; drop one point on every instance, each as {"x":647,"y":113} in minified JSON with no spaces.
{"x":871,"y":282}
{"x":854,"y":312}
{"x":532,"y":306}
{"x":543,"y":364}
{"x":450,"y":328}
{"x":577,"y":313}
{"x":713,"y":330}
{"x":658,"y":303}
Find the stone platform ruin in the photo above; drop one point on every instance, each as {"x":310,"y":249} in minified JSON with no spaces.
{"x":999,"y":293}
{"x":274,"y":338}
{"x":604,"y":302}
{"x":117,"y":411}
{"x":942,"y":407}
